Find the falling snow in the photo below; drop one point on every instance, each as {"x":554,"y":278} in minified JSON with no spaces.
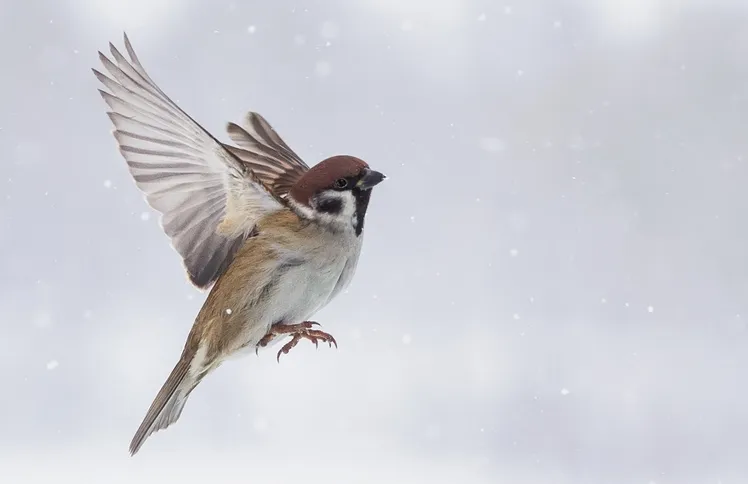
{"x":427,"y":44}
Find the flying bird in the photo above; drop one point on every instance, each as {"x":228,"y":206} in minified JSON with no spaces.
{"x":271,"y":238}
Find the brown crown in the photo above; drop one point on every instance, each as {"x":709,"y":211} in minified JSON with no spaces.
{"x":322,"y":176}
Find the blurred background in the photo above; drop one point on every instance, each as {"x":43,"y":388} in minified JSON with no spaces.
{"x":553,"y":285}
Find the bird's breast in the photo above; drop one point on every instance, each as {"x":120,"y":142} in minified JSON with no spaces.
{"x":307,"y":287}
{"x":300,"y":280}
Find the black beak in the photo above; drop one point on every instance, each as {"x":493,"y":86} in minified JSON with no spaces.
{"x":370,"y":179}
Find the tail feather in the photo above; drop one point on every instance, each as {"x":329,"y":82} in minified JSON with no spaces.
{"x":168,"y":404}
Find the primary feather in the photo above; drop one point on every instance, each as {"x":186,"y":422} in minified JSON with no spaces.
{"x":209,"y":199}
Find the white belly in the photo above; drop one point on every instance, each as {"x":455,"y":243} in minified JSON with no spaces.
{"x":299,"y":292}
{"x":304,"y":290}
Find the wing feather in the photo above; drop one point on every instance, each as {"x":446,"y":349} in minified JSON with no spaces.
{"x":209,"y":200}
{"x":266,"y":154}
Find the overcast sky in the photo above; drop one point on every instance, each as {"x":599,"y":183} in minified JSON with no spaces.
{"x":553,"y":283}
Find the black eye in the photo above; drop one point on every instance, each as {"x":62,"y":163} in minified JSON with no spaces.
{"x":341,"y":183}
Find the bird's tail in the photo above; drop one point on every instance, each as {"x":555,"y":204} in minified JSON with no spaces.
{"x":169,"y":402}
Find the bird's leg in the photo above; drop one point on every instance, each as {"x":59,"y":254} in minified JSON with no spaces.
{"x":297,"y":332}
{"x":281,"y":328}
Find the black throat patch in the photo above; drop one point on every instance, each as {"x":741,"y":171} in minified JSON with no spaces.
{"x":362,"y":203}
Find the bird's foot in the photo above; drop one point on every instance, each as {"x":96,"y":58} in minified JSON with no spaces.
{"x":297,"y":332}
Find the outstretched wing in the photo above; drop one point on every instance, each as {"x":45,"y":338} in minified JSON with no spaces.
{"x":266,"y":154}
{"x":208,"y":199}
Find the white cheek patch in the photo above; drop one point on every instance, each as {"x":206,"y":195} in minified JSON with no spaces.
{"x":332,"y":208}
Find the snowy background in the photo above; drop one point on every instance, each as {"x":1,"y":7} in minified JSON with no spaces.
{"x":553,"y":286}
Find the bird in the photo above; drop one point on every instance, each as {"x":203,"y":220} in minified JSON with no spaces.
{"x":271,"y":239}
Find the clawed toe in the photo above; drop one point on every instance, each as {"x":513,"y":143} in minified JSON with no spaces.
{"x":325,"y":337}
{"x":304,"y":331}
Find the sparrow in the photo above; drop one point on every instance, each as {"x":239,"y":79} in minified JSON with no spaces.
{"x":273,"y":240}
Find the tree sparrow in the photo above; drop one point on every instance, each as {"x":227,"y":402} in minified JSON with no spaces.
{"x":275,"y":239}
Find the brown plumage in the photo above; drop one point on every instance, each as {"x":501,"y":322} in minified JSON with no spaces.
{"x":324,"y":175}
{"x":273,"y":239}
